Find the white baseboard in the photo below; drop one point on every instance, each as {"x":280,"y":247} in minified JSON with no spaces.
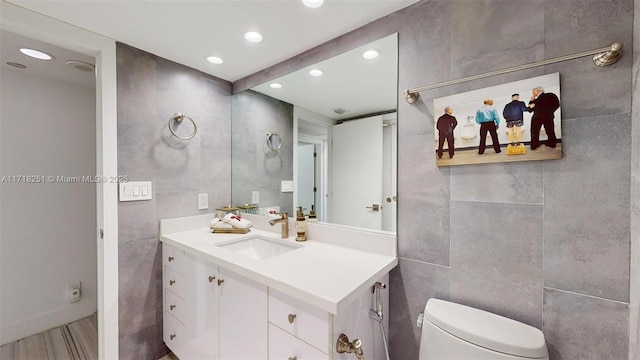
{"x":38,"y":323}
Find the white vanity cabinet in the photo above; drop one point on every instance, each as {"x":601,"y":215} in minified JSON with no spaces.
{"x":229,"y":305}
{"x":210,"y":312}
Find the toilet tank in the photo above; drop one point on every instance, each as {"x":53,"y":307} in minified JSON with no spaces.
{"x":453,"y":331}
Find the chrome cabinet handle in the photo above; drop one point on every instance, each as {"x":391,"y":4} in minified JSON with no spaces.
{"x":171,"y":282}
{"x":292,"y":317}
{"x":170,"y":258}
{"x":293,"y":358}
{"x":220,"y":281}
{"x":211,"y":278}
{"x":171,"y":307}
{"x":172,"y":336}
{"x":374,"y":207}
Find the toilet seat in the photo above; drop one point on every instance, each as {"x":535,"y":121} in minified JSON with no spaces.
{"x":486,"y":329}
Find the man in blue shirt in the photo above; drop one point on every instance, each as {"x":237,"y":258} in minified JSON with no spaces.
{"x":489,"y":120}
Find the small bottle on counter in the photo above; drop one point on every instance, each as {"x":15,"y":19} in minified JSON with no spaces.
{"x":312,"y":215}
{"x":301,"y":225}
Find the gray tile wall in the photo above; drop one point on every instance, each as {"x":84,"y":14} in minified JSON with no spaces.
{"x":255,"y":167}
{"x":150,"y":91}
{"x":634,"y":315}
{"x":537,"y":241}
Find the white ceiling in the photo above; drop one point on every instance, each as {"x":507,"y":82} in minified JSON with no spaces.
{"x":188,"y":31}
{"x":55,"y":69}
{"x":359,"y":86}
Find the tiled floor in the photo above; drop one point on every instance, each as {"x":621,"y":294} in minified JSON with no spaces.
{"x":75,"y":341}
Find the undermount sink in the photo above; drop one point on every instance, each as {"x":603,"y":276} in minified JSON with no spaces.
{"x":258,"y":247}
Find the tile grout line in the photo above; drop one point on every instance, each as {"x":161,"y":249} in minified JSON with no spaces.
{"x":586,"y":295}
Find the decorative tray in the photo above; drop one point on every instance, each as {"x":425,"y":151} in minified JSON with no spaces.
{"x":231,"y":231}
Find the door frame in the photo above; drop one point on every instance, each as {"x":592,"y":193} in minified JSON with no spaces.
{"x":31,"y":24}
{"x":300,"y":113}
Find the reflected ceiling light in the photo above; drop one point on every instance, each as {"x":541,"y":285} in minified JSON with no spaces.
{"x":315,"y":72}
{"x":313,"y":3}
{"x":275,"y":85}
{"x":370,"y":54}
{"x":37,"y":54}
{"x":214,"y":60}
{"x":253,"y":36}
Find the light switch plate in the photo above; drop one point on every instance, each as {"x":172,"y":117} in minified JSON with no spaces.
{"x":135,"y":190}
{"x":203,"y":201}
{"x":255,"y":197}
{"x":286,"y":186}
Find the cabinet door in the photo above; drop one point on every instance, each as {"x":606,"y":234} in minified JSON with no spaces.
{"x":243,"y":317}
{"x":205,"y":310}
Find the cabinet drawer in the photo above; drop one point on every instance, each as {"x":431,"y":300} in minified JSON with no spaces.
{"x":284,"y":346}
{"x":173,"y":332}
{"x":174,"y":282}
{"x":300,"y":319}
{"x":173,"y":258}
{"x":175,"y":306}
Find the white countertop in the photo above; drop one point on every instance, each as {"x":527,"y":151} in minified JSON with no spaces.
{"x":322,"y":274}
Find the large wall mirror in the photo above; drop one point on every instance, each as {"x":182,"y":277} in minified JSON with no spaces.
{"x":323,"y":138}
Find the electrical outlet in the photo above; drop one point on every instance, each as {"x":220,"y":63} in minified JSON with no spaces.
{"x":203,"y":201}
{"x":255,"y":197}
{"x":74,"y":292}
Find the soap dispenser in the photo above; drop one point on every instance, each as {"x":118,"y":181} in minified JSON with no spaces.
{"x":301,"y":226}
{"x":312,"y":215}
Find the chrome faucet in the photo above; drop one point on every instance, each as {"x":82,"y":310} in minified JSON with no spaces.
{"x":285,"y":224}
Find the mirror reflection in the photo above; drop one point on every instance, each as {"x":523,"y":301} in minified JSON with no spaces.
{"x":336,"y":126}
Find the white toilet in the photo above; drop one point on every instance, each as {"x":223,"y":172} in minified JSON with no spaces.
{"x":452,"y":331}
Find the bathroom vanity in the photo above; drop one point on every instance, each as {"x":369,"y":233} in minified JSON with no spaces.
{"x":258,"y":296}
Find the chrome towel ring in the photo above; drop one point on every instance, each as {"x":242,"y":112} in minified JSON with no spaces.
{"x":274,"y":142}
{"x":179,"y":117}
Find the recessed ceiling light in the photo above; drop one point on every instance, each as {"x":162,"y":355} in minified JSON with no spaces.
{"x":313,"y":3}
{"x":275,"y":85}
{"x":16,"y":65}
{"x":315,"y":72}
{"x":370,"y":54}
{"x":253,"y":36}
{"x":41,"y":55}
{"x":214,"y":60}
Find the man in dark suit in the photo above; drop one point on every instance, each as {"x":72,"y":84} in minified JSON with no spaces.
{"x":446,"y":123}
{"x":543,"y":106}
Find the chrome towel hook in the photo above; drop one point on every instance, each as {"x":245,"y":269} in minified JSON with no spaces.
{"x":178,"y":117}
{"x":274,"y":142}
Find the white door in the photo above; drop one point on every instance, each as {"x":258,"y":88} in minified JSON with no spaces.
{"x":306,"y":176}
{"x":357,"y":173}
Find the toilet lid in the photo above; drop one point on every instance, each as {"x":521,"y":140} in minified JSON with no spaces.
{"x":486,"y":329}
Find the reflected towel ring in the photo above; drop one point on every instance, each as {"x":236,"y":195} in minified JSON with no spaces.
{"x":179,"y":117}
{"x":274,"y":142}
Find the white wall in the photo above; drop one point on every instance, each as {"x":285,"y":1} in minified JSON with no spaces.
{"x":47,"y":233}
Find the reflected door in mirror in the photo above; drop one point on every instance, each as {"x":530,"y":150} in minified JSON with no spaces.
{"x":357,"y":155}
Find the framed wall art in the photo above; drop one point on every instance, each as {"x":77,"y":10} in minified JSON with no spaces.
{"x":516,"y":121}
